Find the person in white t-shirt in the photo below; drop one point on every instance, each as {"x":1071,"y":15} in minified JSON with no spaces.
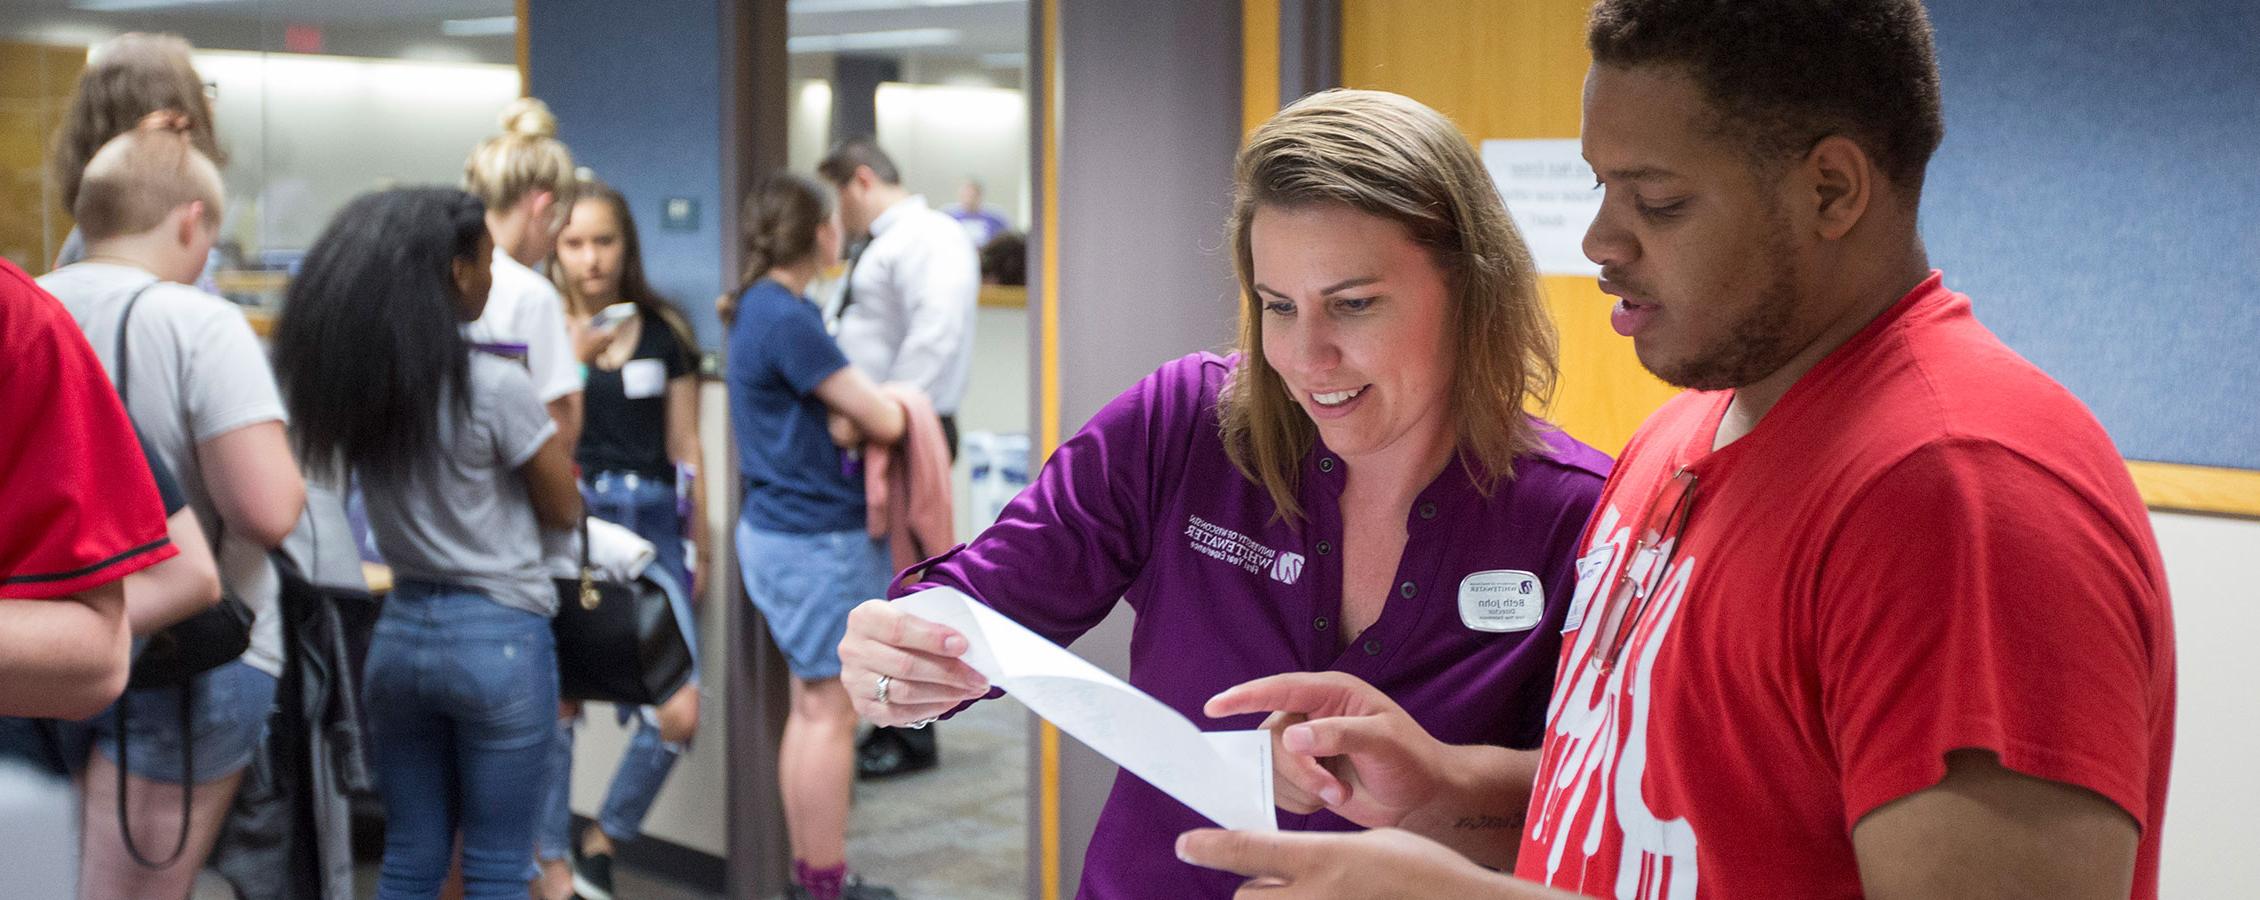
{"x":525,"y":177}
{"x":199,"y":386}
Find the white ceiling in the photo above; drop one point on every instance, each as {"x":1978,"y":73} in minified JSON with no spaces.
{"x":974,"y":28}
{"x":348,"y":27}
{"x":983,"y":26}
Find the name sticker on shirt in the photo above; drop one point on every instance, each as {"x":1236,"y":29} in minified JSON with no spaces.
{"x":1590,"y":568}
{"x":1502,"y":600}
{"x":643,"y":378}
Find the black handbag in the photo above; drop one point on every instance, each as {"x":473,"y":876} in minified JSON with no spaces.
{"x":617,"y":642}
{"x":193,"y":646}
{"x":200,"y":643}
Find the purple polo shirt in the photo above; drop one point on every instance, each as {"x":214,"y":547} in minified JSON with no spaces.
{"x":1142,"y":504}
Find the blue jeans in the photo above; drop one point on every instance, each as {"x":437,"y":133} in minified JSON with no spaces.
{"x":635,"y":785}
{"x":226,"y":725}
{"x":645,"y":506}
{"x":229,"y":721}
{"x":805,"y":584}
{"x":462,"y":699}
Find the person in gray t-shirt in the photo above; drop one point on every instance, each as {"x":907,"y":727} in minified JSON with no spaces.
{"x":195,"y":380}
{"x":461,"y":468}
{"x":464,"y":518}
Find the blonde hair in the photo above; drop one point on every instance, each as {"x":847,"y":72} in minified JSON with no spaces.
{"x":139,"y":178}
{"x":1389,"y":156}
{"x":525,"y":158}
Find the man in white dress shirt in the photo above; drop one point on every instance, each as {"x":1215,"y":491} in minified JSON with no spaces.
{"x":905,"y":316}
{"x":907,"y":312}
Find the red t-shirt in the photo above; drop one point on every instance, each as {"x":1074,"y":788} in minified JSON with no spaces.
{"x":77,"y":504}
{"x":1927,"y":545}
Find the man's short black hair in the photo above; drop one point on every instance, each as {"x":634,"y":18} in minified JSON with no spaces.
{"x":1785,"y":73}
{"x":839,"y":165}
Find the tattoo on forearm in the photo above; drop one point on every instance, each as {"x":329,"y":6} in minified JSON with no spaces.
{"x":1488,"y":823}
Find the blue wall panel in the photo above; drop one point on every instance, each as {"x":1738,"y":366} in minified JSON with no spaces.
{"x":638,"y":95}
{"x":2098,"y":197}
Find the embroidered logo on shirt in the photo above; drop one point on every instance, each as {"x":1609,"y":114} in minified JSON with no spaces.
{"x":1288,"y":568}
{"x":1218,"y":542}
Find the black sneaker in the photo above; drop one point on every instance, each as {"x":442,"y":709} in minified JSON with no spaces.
{"x":886,"y":752}
{"x":857,"y":889}
{"x":592,"y":875}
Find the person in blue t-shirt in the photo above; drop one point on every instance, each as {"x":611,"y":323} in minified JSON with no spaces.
{"x":798,"y":411}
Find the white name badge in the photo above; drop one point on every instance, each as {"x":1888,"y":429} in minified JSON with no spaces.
{"x":643,"y":378}
{"x":1502,"y":600}
{"x":1590,"y":568}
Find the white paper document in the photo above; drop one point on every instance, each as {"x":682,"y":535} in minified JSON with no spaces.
{"x":1224,"y":775}
{"x":1549,"y":191}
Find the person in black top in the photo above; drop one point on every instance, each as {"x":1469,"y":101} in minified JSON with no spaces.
{"x":638,"y":456}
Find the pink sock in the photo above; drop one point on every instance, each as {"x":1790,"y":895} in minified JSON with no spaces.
{"x":821,"y":884}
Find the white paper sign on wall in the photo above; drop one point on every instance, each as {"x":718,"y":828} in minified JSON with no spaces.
{"x":1549,"y":192}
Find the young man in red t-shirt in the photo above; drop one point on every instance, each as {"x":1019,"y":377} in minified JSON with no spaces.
{"x":1873,"y":610}
{"x":78,"y":512}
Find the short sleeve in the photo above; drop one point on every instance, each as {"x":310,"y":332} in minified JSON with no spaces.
{"x":1972,"y":599}
{"x":510,"y":411}
{"x":800,"y":351}
{"x":673,"y":352}
{"x":549,"y":347}
{"x":232,"y":385}
{"x":82,"y":509}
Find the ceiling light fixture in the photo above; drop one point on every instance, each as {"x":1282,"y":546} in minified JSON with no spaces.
{"x":902,"y":39}
{"x":490,"y":26}
{"x":819,"y":7}
{"x":126,"y":5}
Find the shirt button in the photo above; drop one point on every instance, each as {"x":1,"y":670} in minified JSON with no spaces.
{"x":1319,"y":623}
{"x":1373,"y":648}
{"x":1428,"y":510}
{"x":1326,"y":464}
{"x":1325,"y":548}
{"x":1407,"y":589}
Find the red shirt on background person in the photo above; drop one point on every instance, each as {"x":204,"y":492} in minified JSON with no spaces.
{"x":78,"y":511}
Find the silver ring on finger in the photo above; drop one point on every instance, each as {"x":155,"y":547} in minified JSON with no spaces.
{"x":879,"y":690}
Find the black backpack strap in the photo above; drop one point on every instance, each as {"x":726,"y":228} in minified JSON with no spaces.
{"x":119,"y":353}
{"x":187,"y":782}
{"x":187,"y":691}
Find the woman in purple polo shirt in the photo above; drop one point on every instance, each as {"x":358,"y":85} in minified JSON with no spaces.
{"x":1341,"y":495}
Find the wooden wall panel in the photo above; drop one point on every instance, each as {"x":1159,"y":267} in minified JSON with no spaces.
{"x":36,"y":81}
{"x":1512,"y":69}
{"x":1259,"y":61}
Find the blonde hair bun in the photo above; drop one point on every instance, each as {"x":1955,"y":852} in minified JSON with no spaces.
{"x":526,"y":157}
{"x":529,"y":117}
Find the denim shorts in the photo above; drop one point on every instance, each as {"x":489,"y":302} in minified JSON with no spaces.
{"x":805,"y":584}
{"x":226,"y":725}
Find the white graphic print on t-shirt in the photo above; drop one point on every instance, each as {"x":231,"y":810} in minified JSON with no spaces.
{"x":1602,"y":747}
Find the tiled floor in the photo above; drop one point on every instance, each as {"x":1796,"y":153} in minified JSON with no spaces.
{"x":955,"y":832}
{"x":958,"y":831}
